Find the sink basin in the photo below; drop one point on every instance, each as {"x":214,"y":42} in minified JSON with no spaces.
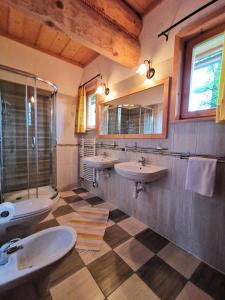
{"x":39,"y":251}
{"x":136,"y":172}
{"x":99,"y":162}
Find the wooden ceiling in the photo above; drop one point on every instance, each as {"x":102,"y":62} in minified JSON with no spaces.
{"x":77,"y":31}
{"x":22,"y":28}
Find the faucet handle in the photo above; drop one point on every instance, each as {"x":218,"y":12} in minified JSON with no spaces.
{"x":5,"y":247}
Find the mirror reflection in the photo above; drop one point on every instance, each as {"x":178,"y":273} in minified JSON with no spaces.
{"x":137,"y":113}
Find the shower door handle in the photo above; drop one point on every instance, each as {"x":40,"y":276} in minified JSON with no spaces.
{"x":33,"y":143}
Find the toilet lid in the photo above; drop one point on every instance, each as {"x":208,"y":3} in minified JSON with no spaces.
{"x":30,"y":207}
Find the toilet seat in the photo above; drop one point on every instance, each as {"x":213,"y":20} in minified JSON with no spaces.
{"x":28,"y":208}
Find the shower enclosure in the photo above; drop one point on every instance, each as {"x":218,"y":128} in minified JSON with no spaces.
{"x":27,"y":136}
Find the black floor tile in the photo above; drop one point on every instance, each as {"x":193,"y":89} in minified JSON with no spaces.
{"x":80,"y":190}
{"x":109,"y":271}
{"x":117,"y":215}
{"x":62,"y":210}
{"x":114,"y":236}
{"x":47,"y":224}
{"x":152,"y":240}
{"x":162,"y":279}
{"x":68,"y":265}
{"x":72,"y":199}
{"x":210,"y":281}
{"x":94,"y":200}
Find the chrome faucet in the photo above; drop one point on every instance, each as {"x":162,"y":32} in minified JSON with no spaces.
{"x":142,"y":161}
{"x":7,"y":249}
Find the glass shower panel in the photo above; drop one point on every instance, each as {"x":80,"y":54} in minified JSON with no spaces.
{"x":46,"y":140}
{"x":14,"y":170}
{"x":27,"y":137}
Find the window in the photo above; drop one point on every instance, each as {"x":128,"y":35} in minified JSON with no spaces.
{"x":201,"y":74}
{"x":91,"y":109}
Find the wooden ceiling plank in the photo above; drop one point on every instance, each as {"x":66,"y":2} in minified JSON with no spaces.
{"x":83,"y":24}
{"x":4,"y":16}
{"x":118,"y":12}
{"x":46,"y":37}
{"x":70,"y":50}
{"x":19,"y":40}
{"x":31,"y":30}
{"x":16,"y":23}
{"x":59,"y":43}
{"x":84,"y":55}
{"x":142,"y":7}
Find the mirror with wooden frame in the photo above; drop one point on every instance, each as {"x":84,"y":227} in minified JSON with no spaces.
{"x":138,"y":113}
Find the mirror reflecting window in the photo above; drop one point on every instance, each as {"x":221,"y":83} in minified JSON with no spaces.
{"x":141,"y":112}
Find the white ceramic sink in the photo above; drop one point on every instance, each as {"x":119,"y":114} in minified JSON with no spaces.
{"x":38,"y":251}
{"x":136,"y":172}
{"x":99,"y":162}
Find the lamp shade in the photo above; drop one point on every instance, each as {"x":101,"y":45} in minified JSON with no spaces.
{"x":99,"y":90}
{"x":142,"y":69}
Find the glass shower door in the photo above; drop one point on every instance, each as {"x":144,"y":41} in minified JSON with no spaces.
{"x":14,"y":170}
{"x":27,"y":138}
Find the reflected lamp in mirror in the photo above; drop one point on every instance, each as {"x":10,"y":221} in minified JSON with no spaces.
{"x":139,"y":113}
{"x":146,"y":69}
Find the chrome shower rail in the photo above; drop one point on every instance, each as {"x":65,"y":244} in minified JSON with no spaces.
{"x":30,"y":75}
{"x":159,"y":151}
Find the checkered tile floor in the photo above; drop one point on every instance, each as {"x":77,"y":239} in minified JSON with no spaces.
{"x":133,"y":263}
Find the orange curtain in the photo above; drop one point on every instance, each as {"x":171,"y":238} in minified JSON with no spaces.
{"x":80,"y":123}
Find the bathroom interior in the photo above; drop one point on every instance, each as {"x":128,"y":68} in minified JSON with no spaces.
{"x":112,"y":149}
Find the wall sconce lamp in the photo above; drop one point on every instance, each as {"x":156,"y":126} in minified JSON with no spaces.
{"x":102,"y":88}
{"x":145,"y":68}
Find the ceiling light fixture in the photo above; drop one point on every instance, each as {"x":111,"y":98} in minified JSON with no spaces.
{"x":146,"y":69}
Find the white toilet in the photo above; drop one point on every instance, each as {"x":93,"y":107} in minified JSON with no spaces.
{"x":27,"y":215}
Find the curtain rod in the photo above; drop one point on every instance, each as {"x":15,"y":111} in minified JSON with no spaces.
{"x":83,"y":84}
{"x":165,"y":32}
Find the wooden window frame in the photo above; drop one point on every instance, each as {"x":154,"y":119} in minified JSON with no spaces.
{"x":188,"y":51}
{"x":90,"y":89}
{"x":194,"y":33}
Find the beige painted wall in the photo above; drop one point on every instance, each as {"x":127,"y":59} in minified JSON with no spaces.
{"x":194,"y":222}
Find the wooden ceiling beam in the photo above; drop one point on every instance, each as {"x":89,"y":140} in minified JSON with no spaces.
{"x":84,"y":25}
{"x":119,"y":13}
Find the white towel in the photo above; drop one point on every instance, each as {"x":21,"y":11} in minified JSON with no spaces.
{"x":201,"y":174}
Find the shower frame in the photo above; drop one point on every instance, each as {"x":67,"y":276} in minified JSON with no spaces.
{"x":54,"y":93}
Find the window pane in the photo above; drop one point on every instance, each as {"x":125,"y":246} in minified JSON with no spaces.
{"x":91,"y":110}
{"x":205,"y":74}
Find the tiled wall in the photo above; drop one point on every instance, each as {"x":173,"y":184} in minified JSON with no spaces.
{"x":193,"y":222}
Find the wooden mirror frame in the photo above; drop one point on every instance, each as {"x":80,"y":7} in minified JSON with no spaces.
{"x":166,"y":93}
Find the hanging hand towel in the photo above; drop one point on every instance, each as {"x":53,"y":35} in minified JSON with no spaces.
{"x":201,"y":174}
